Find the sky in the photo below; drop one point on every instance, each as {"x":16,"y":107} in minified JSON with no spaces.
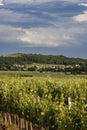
{"x":56,"y":27}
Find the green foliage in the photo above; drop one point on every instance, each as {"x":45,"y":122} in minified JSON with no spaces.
{"x":45,"y":101}
{"x":53,"y":63}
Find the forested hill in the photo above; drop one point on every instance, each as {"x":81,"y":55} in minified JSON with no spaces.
{"x":20,"y":61}
{"x":20,"y":58}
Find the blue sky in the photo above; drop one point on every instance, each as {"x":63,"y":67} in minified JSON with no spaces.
{"x":57,"y":27}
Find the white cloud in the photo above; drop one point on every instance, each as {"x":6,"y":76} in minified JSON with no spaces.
{"x":74,"y":1}
{"x":61,"y":32}
{"x":34,"y":37}
{"x":9,"y":34}
{"x":11,"y":16}
{"x":28,"y":1}
{"x":81,"y":17}
{"x":83,"y":4}
{"x":20,"y":19}
{"x":43,"y":37}
{"x":51,"y":37}
{"x":1,"y":3}
{"x":40,"y":37}
{"x":42,"y":1}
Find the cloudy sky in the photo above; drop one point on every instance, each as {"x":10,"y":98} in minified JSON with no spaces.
{"x":44,"y":26}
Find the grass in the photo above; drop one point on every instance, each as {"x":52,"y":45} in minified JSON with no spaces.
{"x":35,"y":74}
{"x":6,"y":76}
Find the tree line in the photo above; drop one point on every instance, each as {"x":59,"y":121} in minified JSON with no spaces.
{"x":58,"y":63}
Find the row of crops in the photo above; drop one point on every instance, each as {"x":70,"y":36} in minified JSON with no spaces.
{"x":46,"y":101}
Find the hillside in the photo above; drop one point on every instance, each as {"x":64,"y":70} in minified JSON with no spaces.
{"x":14,"y":55}
{"x":47,"y":59}
{"x":32,"y":62}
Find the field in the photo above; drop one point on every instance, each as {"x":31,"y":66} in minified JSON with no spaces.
{"x":53,"y":100}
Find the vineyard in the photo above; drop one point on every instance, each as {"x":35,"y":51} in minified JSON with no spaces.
{"x":53,"y":103}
